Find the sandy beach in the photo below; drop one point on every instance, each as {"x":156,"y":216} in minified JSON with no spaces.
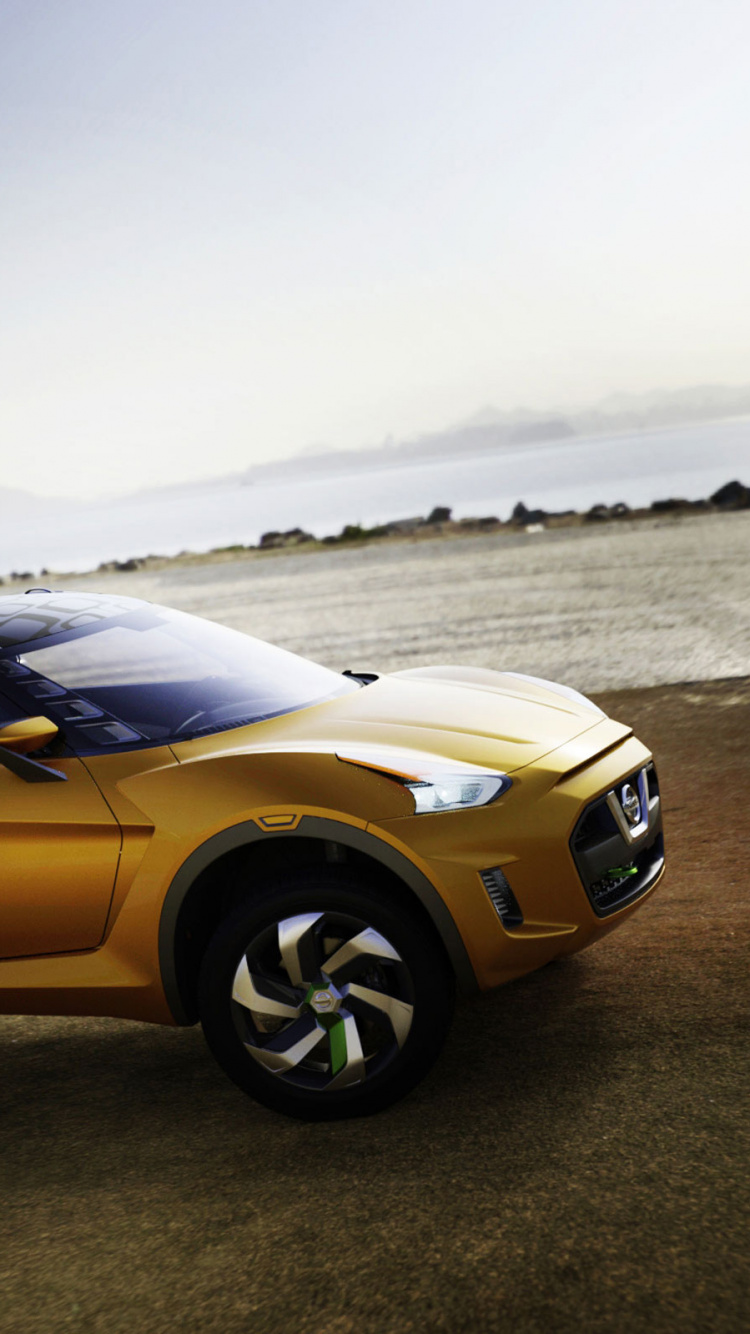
{"x":611,"y":606}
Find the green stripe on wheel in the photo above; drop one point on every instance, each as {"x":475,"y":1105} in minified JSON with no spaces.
{"x":337,"y":1038}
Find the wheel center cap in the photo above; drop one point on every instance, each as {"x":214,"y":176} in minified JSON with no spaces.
{"x":323,"y":1000}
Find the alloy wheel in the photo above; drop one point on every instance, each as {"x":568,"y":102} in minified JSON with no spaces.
{"x":322,"y":1000}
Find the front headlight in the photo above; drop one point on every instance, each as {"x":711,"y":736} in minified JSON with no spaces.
{"x":451,"y":792}
{"x":435,"y":782}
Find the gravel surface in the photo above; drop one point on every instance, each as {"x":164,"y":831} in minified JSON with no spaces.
{"x":602,"y":607}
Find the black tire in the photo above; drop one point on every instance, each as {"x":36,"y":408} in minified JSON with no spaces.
{"x":389,"y":996}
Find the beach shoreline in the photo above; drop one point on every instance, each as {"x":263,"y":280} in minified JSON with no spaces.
{"x":439,"y":525}
{"x":604,"y":606}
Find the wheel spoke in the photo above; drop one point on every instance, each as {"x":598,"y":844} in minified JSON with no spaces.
{"x":298,"y":948}
{"x":347,"y":1059}
{"x":376,"y":1005}
{"x":246,"y":991}
{"x":287,"y":1049}
{"x":369,"y":944}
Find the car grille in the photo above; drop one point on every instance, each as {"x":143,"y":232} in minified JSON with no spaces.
{"x":619,"y":854}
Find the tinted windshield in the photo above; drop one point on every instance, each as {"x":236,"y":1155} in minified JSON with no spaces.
{"x":160,"y":675}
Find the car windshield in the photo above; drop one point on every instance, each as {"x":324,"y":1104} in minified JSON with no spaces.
{"x":159,"y":675}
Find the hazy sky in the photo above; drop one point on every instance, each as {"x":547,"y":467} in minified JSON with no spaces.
{"x":231,"y":230}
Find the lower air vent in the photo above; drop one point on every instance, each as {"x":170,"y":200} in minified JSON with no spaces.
{"x":504,"y":900}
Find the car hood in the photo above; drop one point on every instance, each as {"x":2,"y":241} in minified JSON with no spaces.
{"x":466,"y":714}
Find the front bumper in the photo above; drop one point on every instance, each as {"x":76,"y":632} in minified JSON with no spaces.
{"x":529,"y":833}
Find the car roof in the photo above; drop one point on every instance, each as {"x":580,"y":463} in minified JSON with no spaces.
{"x":38,"y":615}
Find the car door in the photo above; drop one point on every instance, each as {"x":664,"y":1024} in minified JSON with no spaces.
{"x":59,"y":845}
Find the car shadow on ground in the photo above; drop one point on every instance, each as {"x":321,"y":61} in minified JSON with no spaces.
{"x":535,"y":1043}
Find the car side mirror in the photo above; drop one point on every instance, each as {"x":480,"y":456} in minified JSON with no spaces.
{"x":16,"y":739}
{"x":28,"y":734}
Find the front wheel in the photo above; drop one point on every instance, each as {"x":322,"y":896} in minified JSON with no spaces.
{"x":323,"y":999}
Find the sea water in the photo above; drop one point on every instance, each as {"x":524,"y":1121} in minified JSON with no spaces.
{"x":637,"y":468}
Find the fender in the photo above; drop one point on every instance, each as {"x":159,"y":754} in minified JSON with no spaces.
{"x":310,"y":826}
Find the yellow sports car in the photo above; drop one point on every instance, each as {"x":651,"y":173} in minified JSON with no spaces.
{"x":198,"y":825}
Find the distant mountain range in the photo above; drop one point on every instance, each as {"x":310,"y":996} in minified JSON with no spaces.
{"x":485,"y":430}
{"x":490,"y":429}
{"x":22,"y":503}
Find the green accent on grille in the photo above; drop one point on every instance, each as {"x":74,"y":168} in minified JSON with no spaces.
{"x":337,"y":1039}
{"x":615,"y":871}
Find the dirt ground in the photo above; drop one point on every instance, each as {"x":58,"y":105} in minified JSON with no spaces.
{"x":576,"y":1162}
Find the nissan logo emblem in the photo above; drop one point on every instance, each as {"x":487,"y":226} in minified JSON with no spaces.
{"x":630,"y":804}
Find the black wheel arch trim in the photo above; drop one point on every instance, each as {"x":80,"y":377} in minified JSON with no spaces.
{"x":310,"y":826}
